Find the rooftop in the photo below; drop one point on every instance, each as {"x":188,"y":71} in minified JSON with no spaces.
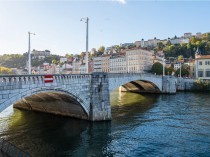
{"x":203,"y":57}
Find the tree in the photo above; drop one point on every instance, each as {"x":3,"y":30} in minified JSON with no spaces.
{"x":184,"y":71}
{"x":101,"y":49}
{"x":54,"y":61}
{"x":4,"y":70}
{"x":169,"y":70}
{"x":157,"y":68}
{"x":160,"y":46}
{"x":180,"y":57}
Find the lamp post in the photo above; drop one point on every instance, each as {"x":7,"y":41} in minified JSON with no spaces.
{"x":29,"y":52}
{"x":180,"y":72}
{"x":86,"y":54}
{"x":163,"y":66}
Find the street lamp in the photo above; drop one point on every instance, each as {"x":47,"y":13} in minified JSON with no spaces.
{"x":86,"y":54}
{"x":180,"y":72}
{"x":163,"y":66}
{"x":29,"y":52}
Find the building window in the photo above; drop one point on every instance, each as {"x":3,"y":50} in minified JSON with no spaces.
{"x":200,"y":63}
{"x":207,"y":62}
{"x":207,"y":73}
{"x":200,"y":73}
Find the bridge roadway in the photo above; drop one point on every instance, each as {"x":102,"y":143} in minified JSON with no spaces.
{"x":88,"y":92}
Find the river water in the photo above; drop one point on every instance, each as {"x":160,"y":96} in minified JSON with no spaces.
{"x":142,"y":125}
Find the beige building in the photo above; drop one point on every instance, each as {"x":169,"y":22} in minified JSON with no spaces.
{"x":202,"y":66}
{"x":40,"y":54}
{"x":105,"y":63}
{"x":139,"y":60}
{"x":118,"y":64}
{"x":97,"y":64}
{"x":187,"y":35}
{"x":132,"y":61}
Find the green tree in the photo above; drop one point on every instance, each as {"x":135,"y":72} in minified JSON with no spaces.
{"x":4,"y":70}
{"x":160,"y":46}
{"x":180,"y":57}
{"x":157,"y":68}
{"x":169,"y":70}
{"x":54,"y":61}
{"x":184,"y":71}
{"x":101,"y":49}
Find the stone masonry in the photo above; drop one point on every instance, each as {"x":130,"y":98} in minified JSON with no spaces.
{"x":91,"y":91}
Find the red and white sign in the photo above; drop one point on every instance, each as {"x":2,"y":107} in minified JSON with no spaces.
{"x":48,"y":79}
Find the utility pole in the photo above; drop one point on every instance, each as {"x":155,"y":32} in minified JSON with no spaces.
{"x":86,"y":54}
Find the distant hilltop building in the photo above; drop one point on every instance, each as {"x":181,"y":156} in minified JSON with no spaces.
{"x":151,"y":43}
{"x":40,"y":54}
{"x":187,"y":35}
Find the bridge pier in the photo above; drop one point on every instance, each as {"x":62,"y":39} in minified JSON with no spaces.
{"x":100,"y":108}
{"x":169,"y":85}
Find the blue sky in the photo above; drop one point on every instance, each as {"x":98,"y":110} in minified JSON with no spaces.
{"x":59,"y":29}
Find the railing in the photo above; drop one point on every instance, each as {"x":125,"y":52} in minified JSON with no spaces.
{"x":11,"y":150}
{"x":113,"y":75}
{"x":24,"y":79}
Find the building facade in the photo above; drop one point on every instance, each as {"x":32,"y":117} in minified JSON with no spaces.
{"x":117,"y":64}
{"x":40,"y":54}
{"x":202,"y":66}
{"x":139,"y":60}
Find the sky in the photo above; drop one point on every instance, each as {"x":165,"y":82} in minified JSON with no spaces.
{"x":58,"y":27}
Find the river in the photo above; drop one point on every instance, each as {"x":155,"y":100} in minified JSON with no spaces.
{"x":142,"y":125}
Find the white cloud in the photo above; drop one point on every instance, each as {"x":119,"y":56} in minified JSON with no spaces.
{"x":121,"y":1}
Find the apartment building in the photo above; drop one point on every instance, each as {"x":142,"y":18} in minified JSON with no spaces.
{"x":139,"y":60}
{"x":97,"y":64}
{"x":105,"y":63}
{"x":187,"y":35}
{"x":40,"y":54}
{"x":202,"y":63}
{"x":118,"y":64}
{"x":175,"y":41}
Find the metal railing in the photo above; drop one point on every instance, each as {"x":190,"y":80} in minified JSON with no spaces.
{"x":11,"y":150}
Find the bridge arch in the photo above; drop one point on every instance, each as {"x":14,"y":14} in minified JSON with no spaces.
{"x":137,"y":80}
{"x":140,"y":86}
{"x":21,"y":94}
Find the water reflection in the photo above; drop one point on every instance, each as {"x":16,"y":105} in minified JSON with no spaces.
{"x":49,"y":135}
{"x":142,"y":125}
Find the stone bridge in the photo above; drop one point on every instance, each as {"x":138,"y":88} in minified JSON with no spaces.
{"x":84,"y":96}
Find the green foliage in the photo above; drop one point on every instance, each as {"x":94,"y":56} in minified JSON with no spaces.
{"x":54,"y":61}
{"x":201,"y":85}
{"x":4,"y":70}
{"x":184,"y":71}
{"x":169,"y":70}
{"x":157,"y":68}
{"x":19,"y":61}
{"x":187,"y":50}
{"x":180,"y":57}
{"x":13,"y":60}
{"x":160,"y":46}
{"x":101,"y":49}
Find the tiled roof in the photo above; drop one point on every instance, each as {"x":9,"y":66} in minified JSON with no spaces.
{"x":203,"y":57}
